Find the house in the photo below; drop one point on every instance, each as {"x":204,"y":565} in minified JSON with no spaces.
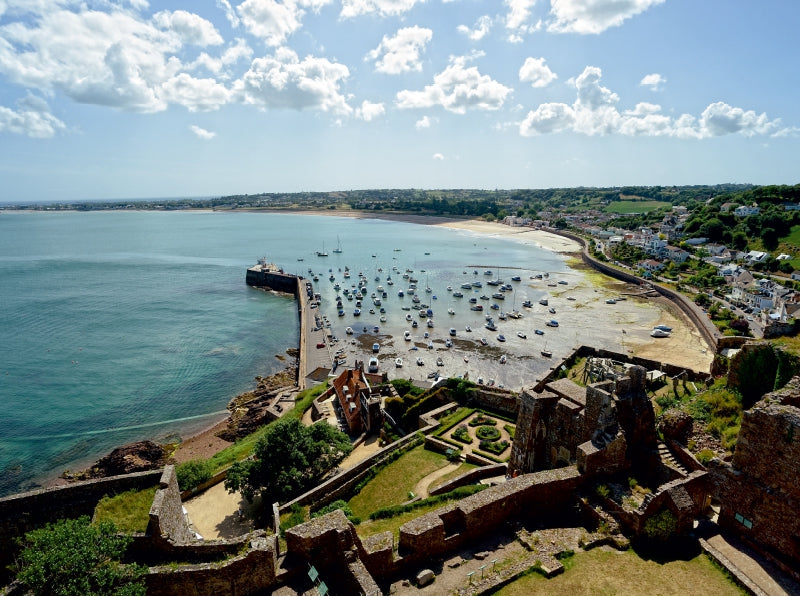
{"x":715,"y":250}
{"x":675,"y":254}
{"x":725,"y":207}
{"x":745,"y":210}
{"x":651,"y":265}
{"x":358,"y":399}
{"x":756,"y":256}
{"x":653,"y":246}
{"x":796,"y":275}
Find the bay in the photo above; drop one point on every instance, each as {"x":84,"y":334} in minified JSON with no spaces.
{"x":121,"y":326}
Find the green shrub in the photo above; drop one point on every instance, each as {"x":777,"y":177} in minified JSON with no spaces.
{"x":494,"y":447}
{"x":511,"y":430}
{"x":602,"y":491}
{"x":481,"y":420}
{"x":395,"y":510}
{"x":193,"y":473}
{"x":661,"y":526}
{"x":338,"y":505}
{"x":705,"y":456}
{"x":488,"y":433}
{"x":296,"y":517}
{"x":462,"y":434}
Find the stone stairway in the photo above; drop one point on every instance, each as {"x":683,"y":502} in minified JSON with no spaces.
{"x":666,"y":457}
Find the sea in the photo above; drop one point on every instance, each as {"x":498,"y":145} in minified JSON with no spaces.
{"x":123,"y":326}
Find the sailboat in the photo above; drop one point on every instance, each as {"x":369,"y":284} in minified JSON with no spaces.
{"x":545,"y":352}
{"x":322,"y":253}
{"x":338,"y":248}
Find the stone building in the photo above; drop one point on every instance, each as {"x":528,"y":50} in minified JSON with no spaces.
{"x":759,"y":490}
{"x":603,"y":428}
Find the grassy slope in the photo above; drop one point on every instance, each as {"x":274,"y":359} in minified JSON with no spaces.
{"x":130,"y":511}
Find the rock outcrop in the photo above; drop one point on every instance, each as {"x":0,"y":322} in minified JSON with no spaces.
{"x":134,"y":457}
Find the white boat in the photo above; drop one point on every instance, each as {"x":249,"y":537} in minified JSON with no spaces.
{"x":322,"y":253}
{"x":398,"y":363}
{"x":521,"y":335}
{"x":376,"y":348}
{"x":501,"y":337}
{"x":383,"y":318}
{"x":408,"y":317}
{"x":659,"y":333}
{"x":663,"y":328}
{"x":338,"y":248}
{"x":430,"y":344}
{"x":453,"y":331}
{"x":611,"y":301}
{"x":420,"y":361}
{"x":414,"y":324}
{"x":348,"y":330}
{"x":430,"y":323}
{"x":503,"y":359}
{"x":448,"y":343}
{"x":439,"y":361}
{"x":468,"y":329}
{"x":407,"y":335}
{"x":450,"y":311}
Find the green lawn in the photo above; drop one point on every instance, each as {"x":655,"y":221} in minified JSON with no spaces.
{"x":462,"y":469}
{"x":130,"y":511}
{"x":635,"y":206}
{"x":606,"y":572}
{"x":392,"y":484}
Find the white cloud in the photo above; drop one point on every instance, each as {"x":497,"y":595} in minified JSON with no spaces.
{"x":190,"y":28}
{"x":202,"y":133}
{"x":519,"y":11}
{"x":654,"y":80}
{"x":31,"y":118}
{"x":368,"y":111}
{"x":197,"y":95}
{"x":457,"y":88}
{"x":401,"y":53}
{"x":284,"y":81}
{"x":270,"y":20}
{"x":536,"y":72}
{"x":424,"y":122}
{"x":384,"y":8}
{"x":480,"y":29}
{"x":438,"y":157}
{"x":239,"y":50}
{"x":594,"y":16}
{"x":230,"y":14}
{"x":594,"y":112}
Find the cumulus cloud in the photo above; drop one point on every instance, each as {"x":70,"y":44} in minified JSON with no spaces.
{"x":438,"y":157}
{"x":285,"y":81}
{"x":654,"y":81}
{"x":197,"y":95}
{"x":594,"y":112}
{"x":368,"y":111}
{"x":457,"y":88}
{"x":230,"y":14}
{"x":479,"y":30}
{"x":401,"y":53}
{"x":384,"y":8}
{"x":536,"y":72}
{"x":594,"y":16}
{"x":239,"y":50}
{"x":270,"y":20}
{"x":424,"y":122}
{"x":190,"y":28}
{"x":32,"y":118}
{"x":202,"y":133}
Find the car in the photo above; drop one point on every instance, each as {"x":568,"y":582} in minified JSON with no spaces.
{"x":321,"y":344}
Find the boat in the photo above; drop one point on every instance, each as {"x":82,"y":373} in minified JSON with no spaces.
{"x":341,"y":312}
{"x":468,"y":329}
{"x":348,"y":330}
{"x":611,"y":301}
{"x":484,"y":341}
{"x":477,"y":284}
{"x":487,"y":272}
{"x":439,"y":361}
{"x":516,"y":278}
{"x":408,"y":317}
{"x":527,"y":304}
{"x":426,"y":335}
{"x":473,"y":300}
{"x":356,"y":312}
{"x":452,"y":331}
{"x":466,"y":358}
{"x":376,"y":348}
{"x":478,"y":307}
{"x":484,"y":297}
{"x":416,"y":300}
{"x":400,"y":293}
{"x":538,"y":332}
{"x":563,"y":282}
{"x":414,"y":324}
{"x":430,"y":344}
{"x":491,"y":326}
{"x":547,"y":353}
{"x":570,"y":297}
{"x":503,"y":359}
{"x":458,"y":295}
{"x":552,"y":310}
{"x":383,"y":318}
{"x":373,"y":365}
{"x":429,"y":323}
{"x":407,"y":335}
{"x":448,"y":343}
{"x":466,"y":286}
{"x":543,"y":301}
{"x":495,"y":306}
{"x":501,"y":337}
{"x":503,"y":316}
{"x":659,"y":333}
{"x":398,"y":363}
{"x":552,"y":323}
{"x":521,"y":335}
{"x":322,"y":253}
{"x":663,"y":328}
{"x":498,"y":296}
{"x":434,"y":374}
{"x":450,"y":311}
{"x":338,"y":248}
{"x":449,"y":288}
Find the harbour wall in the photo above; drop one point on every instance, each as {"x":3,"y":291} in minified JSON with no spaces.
{"x":272,"y":279}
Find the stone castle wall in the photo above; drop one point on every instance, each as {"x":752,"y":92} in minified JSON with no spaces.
{"x":759,"y":490}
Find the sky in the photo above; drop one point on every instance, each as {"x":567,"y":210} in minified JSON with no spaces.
{"x":111,"y":99}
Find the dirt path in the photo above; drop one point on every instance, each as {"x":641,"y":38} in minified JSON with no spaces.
{"x":421,"y":487}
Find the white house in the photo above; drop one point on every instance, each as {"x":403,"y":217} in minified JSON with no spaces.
{"x":745,"y":210}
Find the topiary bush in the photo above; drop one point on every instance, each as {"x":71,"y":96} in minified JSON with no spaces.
{"x":488,"y":433}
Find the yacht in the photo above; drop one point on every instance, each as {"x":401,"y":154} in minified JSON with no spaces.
{"x":348,"y":330}
{"x":521,"y":335}
{"x":452,"y":331}
{"x":398,"y":363}
{"x":501,"y":337}
{"x":458,"y":295}
{"x":407,"y":335}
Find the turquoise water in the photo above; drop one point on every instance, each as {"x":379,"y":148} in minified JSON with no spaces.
{"x":123,"y":326}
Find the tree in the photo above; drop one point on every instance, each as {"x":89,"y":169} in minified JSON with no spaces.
{"x":74,"y":556}
{"x":289,"y":459}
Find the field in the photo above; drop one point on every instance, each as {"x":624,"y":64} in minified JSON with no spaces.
{"x":627,"y":207}
{"x":606,"y":572}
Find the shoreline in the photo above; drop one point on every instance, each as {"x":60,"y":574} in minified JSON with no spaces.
{"x":204,"y":443}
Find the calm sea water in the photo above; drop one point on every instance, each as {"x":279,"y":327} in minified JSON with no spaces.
{"x":124,"y":326}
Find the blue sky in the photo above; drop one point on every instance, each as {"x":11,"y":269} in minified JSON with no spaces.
{"x":136,"y":99}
